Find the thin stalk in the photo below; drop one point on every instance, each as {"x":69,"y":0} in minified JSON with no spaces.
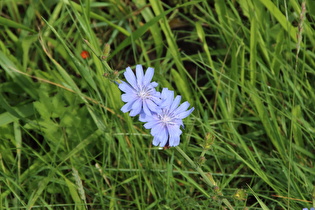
{"x":207,"y":177}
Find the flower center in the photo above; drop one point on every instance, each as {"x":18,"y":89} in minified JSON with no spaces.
{"x":166,"y":118}
{"x":143,"y":94}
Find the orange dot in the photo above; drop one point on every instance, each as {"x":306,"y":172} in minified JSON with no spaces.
{"x":85,"y":54}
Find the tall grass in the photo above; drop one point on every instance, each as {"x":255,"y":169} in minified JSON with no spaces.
{"x":247,"y":67}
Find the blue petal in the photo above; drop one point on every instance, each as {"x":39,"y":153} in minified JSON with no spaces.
{"x":156,"y":141}
{"x":154,"y":84}
{"x":127,"y":107}
{"x":148,"y":76}
{"x":174,"y":140}
{"x":142,"y":117}
{"x":128,"y":97}
{"x":178,"y":122}
{"x":126,"y":88}
{"x":174,"y":130}
{"x":156,"y":98}
{"x":183,"y":107}
{"x":174,"y":135}
{"x":152,"y":106}
{"x":167,"y":98}
{"x":131,"y":78}
{"x":150,"y":124}
{"x":163,"y":138}
{"x":150,"y":118}
{"x":158,"y":129}
{"x":139,"y":73}
{"x":137,"y":104}
{"x":134,"y":112}
{"x":136,"y":107}
{"x":175,"y":103}
{"x":182,"y":115}
{"x":164,"y":93}
{"x":146,"y":107}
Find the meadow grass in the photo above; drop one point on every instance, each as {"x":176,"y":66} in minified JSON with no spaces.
{"x":247,"y":66}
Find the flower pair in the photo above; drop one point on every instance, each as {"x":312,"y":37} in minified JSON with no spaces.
{"x":161,"y":112}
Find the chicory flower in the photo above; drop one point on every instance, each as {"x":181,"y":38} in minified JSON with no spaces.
{"x":140,"y":94}
{"x":165,"y":124}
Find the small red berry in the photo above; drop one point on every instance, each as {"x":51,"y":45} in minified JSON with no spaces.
{"x":85,"y":54}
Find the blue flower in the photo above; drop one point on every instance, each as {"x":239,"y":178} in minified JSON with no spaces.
{"x":140,"y":93}
{"x":310,"y":208}
{"x":165,"y":124}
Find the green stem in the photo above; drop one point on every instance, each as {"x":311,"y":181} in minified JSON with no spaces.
{"x":207,"y":178}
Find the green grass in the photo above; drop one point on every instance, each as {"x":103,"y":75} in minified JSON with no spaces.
{"x":247,"y":66}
